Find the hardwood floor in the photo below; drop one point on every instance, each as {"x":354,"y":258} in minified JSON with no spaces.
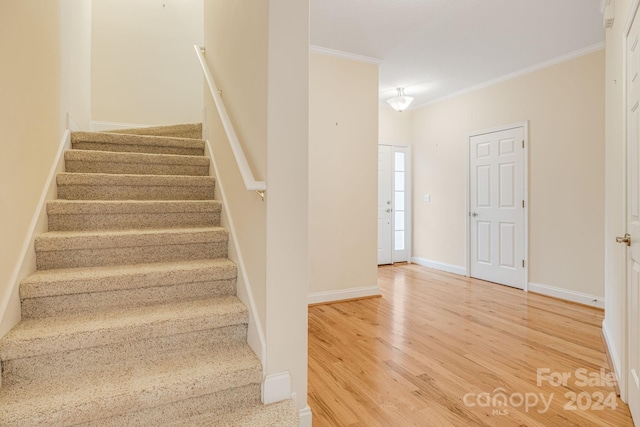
{"x":440,"y":350}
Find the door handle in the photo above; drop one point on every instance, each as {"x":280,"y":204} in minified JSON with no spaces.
{"x":625,"y":239}
{"x":473,"y":214}
{"x":389,"y":210}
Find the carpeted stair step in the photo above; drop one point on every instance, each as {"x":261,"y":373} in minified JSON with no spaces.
{"x":222,"y":402}
{"x":139,"y":383}
{"x":136,"y":143}
{"x":72,"y":215}
{"x":70,"y":249}
{"x":280,"y":414}
{"x":53,"y":336}
{"x":188,"y":130}
{"x":90,"y":161}
{"x":88,"y":186}
{"x":82,"y":290}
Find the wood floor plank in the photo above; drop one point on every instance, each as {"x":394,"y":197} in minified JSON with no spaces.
{"x":437,"y":348}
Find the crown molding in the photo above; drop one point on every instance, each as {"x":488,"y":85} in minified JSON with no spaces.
{"x":344,"y":55}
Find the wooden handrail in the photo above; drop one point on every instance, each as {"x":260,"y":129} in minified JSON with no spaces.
{"x":250,"y":182}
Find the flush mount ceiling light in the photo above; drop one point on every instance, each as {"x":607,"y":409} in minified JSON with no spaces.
{"x":400,"y":102}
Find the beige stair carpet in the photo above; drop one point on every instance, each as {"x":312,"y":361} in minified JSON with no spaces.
{"x":131,"y":317}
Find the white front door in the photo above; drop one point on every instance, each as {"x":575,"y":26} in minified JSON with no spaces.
{"x":633,"y":219}
{"x":385,"y":228}
{"x":496,"y":202}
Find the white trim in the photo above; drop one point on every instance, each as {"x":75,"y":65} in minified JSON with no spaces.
{"x":525,"y":164}
{"x":276,"y":387}
{"x":343,"y":294}
{"x":38,"y":222}
{"x":249,"y":180}
{"x":255,"y":333}
{"x":613,"y":352}
{"x":567,"y":295}
{"x":344,"y":55}
{"x":443,"y":266}
{"x":98,"y":126}
{"x":306,"y":417}
{"x":537,"y":67}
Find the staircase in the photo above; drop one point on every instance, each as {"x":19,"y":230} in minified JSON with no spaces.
{"x":131,"y":318}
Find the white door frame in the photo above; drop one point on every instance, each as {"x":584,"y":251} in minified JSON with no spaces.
{"x":408,"y":238}
{"x":524,"y":125}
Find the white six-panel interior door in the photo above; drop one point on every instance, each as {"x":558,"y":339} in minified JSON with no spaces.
{"x":631,"y":360}
{"x":497,"y":206}
{"x":394,"y":203}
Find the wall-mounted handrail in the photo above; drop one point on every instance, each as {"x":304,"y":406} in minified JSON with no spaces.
{"x":250,"y":182}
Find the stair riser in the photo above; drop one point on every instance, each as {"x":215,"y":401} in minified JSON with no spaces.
{"x":135,"y":192}
{"x":133,"y":148}
{"x":89,"y":361}
{"x":84,"y":222}
{"x":97,"y":256}
{"x":134,"y":168}
{"x":221,"y":402}
{"x":95,"y":301}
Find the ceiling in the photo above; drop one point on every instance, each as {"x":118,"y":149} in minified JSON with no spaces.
{"x":435,"y":48}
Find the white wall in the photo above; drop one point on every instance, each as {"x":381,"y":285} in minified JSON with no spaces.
{"x":30,"y":129}
{"x":343,"y":151}
{"x":614,"y":225}
{"x":564,"y":104}
{"x":144,"y":69}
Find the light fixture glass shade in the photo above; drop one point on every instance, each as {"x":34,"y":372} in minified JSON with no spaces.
{"x":400,"y":102}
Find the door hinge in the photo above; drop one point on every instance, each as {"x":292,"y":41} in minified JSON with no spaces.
{"x":523,"y":203}
{"x":522,"y":263}
{"x":523,"y":143}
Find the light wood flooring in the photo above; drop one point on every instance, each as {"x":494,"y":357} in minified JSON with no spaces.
{"x":439,"y":350}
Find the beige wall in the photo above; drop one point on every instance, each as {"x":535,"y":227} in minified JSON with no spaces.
{"x":144,"y":68}
{"x":614,"y":255}
{"x":343,"y":151}
{"x":564,"y":104}
{"x":75,"y":23}
{"x":240,"y":72}
{"x":264,"y":79}
{"x":394,"y":127}
{"x":288,"y":192}
{"x":30,"y":120}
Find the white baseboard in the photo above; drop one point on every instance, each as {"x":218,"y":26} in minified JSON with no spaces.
{"x":449,"y":268}
{"x":343,"y":294}
{"x":613,"y":352}
{"x":276,"y":387}
{"x":565,"y":294}
{"x":10,"y":310}
{"x":98,"y":126}
{"x":305,"y":416}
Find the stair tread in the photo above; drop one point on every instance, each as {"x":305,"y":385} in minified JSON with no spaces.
{"x":280,"y":414}
{"x":149,"y":380}
{"x":84,"y":178}
{"x":132,"y":157}
{"x":44,"y":283}
{"x":33,"y":337}
{"x":165,"y":130}
{"x":135,"y":139}
{"x":61,"y":207}
{"x":67,"y":240}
